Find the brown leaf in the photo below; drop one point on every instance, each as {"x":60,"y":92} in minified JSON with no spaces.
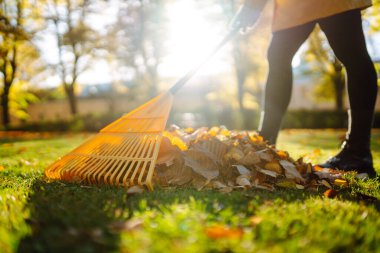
{"x":234,"y":154}
{"x":176,"y":174}
{"x":330,"y":193}
{"x":167,"y":152}
{"x":242,"y":170}
{"x":326,"y":183}
{"x":251,"y":158}
{"x":136,"y":189}
{"x":291,"y":170}
{"x":267,"y":172}
{"x":243,"y":180}
{"x":286,"y":183}
{"x":227,"y":189}
{"x":201,"y":164}
{"x":273,"y":166}
{"x":218,"y":185}
{"x":265,"y":156}
{"x":126,"y":226}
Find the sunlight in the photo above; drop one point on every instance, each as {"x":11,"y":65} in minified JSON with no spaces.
{"x":191,"y":37}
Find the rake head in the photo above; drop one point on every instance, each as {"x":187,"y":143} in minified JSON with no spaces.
{"x":124,"y":153}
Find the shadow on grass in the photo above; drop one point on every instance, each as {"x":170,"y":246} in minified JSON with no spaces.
{"x":71,"y":218}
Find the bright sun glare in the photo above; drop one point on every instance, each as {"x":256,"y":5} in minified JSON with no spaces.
{"x":191,"y":37}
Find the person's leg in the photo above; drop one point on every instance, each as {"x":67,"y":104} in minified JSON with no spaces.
{"x":345,"y":35}
{"x":278,"y":87}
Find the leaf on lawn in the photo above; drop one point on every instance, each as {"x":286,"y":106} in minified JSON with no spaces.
{"x":283,"y":154}
{"x":341,"y":182}
{"x":330,"y":193}
{"x":22,"y":150}
{"x":136,"y":189}
{"x":251,"y":158}
{"x":227,"y":189}
{"x":126,"y":226}
{"x":267,"y":172}
{"x":2,"y":167}
{"x":286,"y":183}
{"x":243,"y":180}
{"x":175,"y":140}
{"x":199,"y":182}
{"x":176,"y":174}
{"x":218,"y":185}
{"x":255,"y":220}
{"x":242,"y":170}
{"x":223,"y":232}
{"x":326,"y":183}
{"x":234,"y":154}
{"x":167,"y":152}
{"x":273,"y":166}
{"x":265,"y":156}
{"x":201,"y":164}
{"x":291,"y":170}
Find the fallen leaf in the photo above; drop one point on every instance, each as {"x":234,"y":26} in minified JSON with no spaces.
{"x":325,"y":183}
{"x":243,"y":180}
{"x":223,"y":232}
{"x":126,"y":226}
{"x":282,"y":154}
{"x":218,"y":185}
{"x":267,"y":172}
{"x":242,"y":170}
{"x":286,"y":183}
{"x":21,"y":150}
{"x":341,"y":182}
{"x":255,"y":220}
{"x":250,"y":158}
{"x":2,"y":167}
{"x":265,"y":156}
{"x":136,"y":189}
{"x":273,"y":166}
{"x":291,"y":170}
{"x":201,"y":164}
{"x":330,"y":193}
{"x":234,"y":154}
{"x":227,"y":189}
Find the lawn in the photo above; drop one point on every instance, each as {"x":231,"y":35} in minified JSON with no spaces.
{"x":41,"y":216}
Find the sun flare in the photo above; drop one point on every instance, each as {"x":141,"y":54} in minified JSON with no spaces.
{"x":192,"y":35}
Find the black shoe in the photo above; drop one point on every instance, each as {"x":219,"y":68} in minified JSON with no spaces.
{"x":349,"y":160}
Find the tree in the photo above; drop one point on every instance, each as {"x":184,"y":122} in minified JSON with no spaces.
{"x":136,"y":41}
{"x":248,"y":59}
{"x":322,"y":60}
{"x":15,"y":44}
{"x":76,"y":41}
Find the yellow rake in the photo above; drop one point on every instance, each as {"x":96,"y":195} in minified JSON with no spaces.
{"x":124,"y":153}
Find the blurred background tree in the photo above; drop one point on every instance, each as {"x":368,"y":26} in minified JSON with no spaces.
{"x":75,"y":41}
{"x":19,"y":22}
{"x":109,"y":56}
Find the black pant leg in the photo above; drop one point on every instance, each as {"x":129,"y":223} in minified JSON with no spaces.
{"x":278,"y":88}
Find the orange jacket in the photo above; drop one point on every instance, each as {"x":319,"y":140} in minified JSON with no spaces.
{"x":290,"y":13}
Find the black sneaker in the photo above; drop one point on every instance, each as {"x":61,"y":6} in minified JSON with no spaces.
{"x":349,"y":160}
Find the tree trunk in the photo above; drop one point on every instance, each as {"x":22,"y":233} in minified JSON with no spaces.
{"x":339,"y":84}
{"x":5,"y":106}
{"x":72,"y":100}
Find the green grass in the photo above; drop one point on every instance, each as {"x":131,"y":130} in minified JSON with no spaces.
{"x":38,"y":216}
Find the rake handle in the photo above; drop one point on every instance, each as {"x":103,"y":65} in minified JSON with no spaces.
{"x":183,"y":80}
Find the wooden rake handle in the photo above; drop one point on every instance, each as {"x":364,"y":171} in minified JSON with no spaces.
{"x":183,"y":80}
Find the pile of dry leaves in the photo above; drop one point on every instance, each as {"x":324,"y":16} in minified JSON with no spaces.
{"x":221,"y":159}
